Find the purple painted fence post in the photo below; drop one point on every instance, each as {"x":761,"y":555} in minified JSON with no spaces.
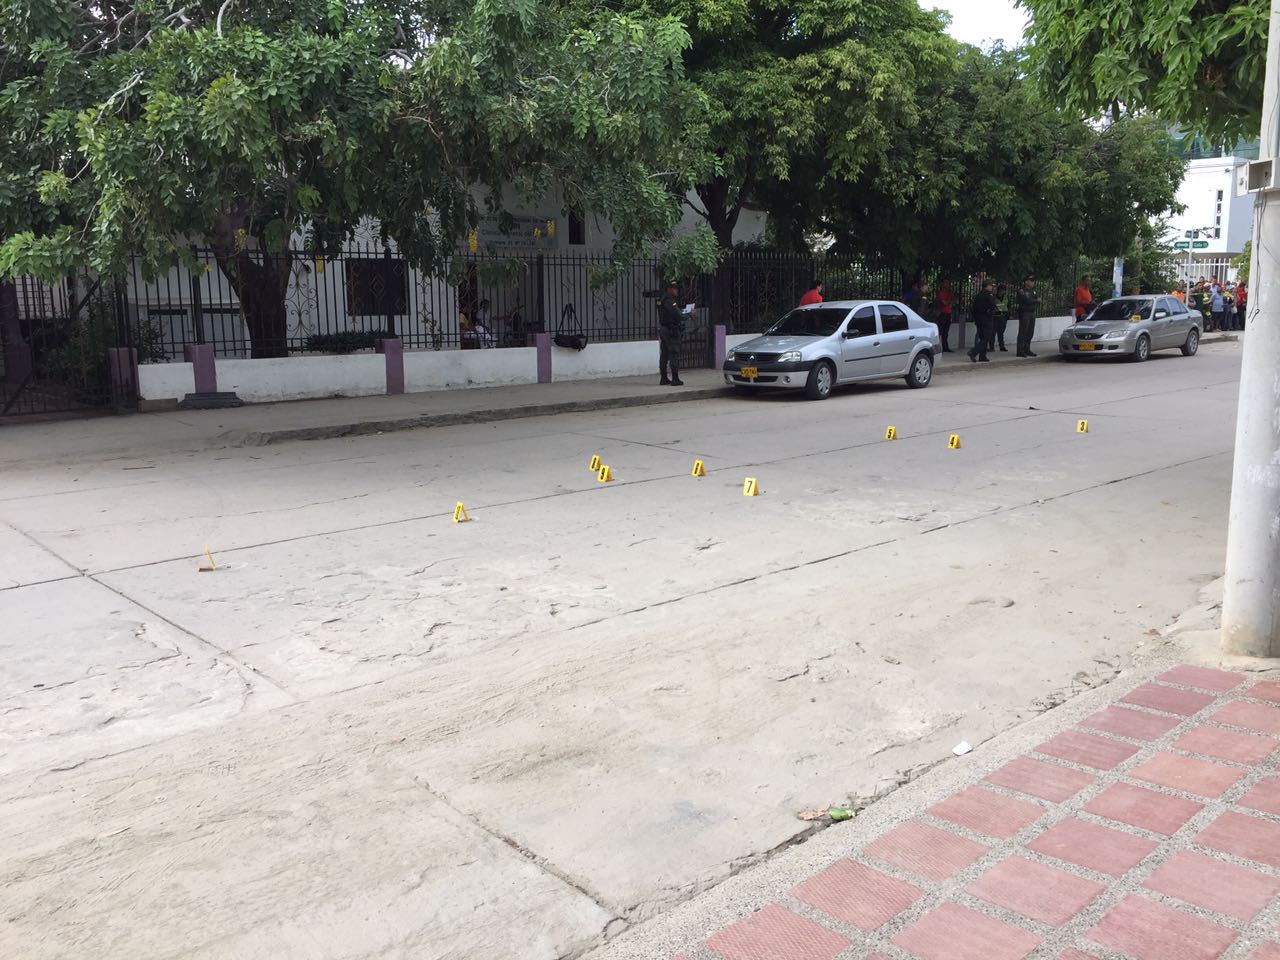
{"x":720,"y":331}
{"x":123,"y":363}
{"x":203,"y":366}
{"x":392,"y":348}
{"x":543,"y":342}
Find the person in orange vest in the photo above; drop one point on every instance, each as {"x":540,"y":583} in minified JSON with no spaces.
{"x":1084,"y":298}
{"x":814,"y":295}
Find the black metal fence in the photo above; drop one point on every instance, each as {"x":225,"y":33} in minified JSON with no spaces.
{"x":292,"y":302}
{"x":348,"y":301}
{"x":55,"y":348}
{"x":253,"y":304}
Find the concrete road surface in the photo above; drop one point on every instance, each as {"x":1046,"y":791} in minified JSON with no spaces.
{"x":370,"y":732}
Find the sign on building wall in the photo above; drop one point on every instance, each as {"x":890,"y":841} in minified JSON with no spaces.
{"x":524,"y":233}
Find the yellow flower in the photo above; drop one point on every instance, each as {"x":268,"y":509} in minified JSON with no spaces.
{"x":551,"y":228}
{"x":537,"y":233}
{"x":473,"y":241}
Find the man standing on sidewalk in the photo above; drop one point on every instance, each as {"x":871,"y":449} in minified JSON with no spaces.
{"x":1027,"y":305}
{"x":984,"y":318}
{"x":670,"y":328}
{"x":1084,"y":298}
{"x":945,"y":302}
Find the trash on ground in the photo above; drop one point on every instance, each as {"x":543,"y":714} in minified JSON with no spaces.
{"x":961,"y":748}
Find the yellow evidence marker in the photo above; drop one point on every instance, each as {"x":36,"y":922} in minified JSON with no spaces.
{"x":699,"y":469}
{"x":604,"y":474}
{"x":211,"y":567}
{"x":594,"y":466}
{"x":953,"y":442}
{"x":460,"y":513}
{"x":1082,"y":426}
{"x":750,"y":488}
{"x":891,"y":433}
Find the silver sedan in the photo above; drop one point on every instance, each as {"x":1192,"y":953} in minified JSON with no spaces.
{"x":818,"y":347}
{"x":1132,"y":327}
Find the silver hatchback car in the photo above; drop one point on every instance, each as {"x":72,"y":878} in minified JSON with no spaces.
{"x":1132,"y":327}
{"x":818,"y":347}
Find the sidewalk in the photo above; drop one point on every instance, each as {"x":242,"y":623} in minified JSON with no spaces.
{"x":1142,"y":822}
{"x":265,"y":423}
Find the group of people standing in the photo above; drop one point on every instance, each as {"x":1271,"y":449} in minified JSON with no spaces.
{"x":1221,"y":304}
{"x":992,"y":309}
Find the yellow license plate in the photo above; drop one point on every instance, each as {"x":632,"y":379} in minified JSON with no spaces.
{"x":749,"y":373}
{"x":1088,"y":346}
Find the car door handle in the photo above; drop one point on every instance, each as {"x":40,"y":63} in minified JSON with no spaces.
{"x":875,"y":343}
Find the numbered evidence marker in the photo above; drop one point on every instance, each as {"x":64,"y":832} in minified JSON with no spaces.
{"x":594,"y":466}
{"x":460,"y":513}
{"x":604,"y":474}
{"x":1082,"y":426}
{"x":750,"y":488}
{"x":699,"y":469}
{"x":891,"y":433}
{"x":953,"y":442}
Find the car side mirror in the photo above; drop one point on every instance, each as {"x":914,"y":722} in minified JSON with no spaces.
{"x":1161,"y":314}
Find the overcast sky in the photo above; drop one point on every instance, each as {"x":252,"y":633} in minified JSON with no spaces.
{"x":981,"y":21}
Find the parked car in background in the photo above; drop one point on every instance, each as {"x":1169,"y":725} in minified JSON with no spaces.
{"x":1133,"y":327}
{"x":819,"y":347}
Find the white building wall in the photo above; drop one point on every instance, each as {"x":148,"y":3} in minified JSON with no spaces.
{"x":1208,"y":195}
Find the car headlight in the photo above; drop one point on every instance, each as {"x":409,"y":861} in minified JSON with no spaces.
{"x":1116,"y":335}
{"x":791,"y":356}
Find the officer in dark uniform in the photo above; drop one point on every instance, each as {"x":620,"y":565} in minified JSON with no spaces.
{"x":984,"y":318}
{"x":670,"y":329}
{"x":1027,"y":305}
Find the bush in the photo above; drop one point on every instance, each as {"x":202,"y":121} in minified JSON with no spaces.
{"x":348,"y":341}
{"x":79,"y":359}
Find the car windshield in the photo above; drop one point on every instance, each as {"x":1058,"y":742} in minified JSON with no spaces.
{"x":820,"y":322}
{"x":1114,"y":310}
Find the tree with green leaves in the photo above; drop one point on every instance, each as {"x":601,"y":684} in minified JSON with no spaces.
{"x":132,"y":128}
{"x":989,"y":177}
{"x":1193,"y":62}
{"x":783,"y":75}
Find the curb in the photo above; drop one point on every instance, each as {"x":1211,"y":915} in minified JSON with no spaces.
{"x":262,"y":438}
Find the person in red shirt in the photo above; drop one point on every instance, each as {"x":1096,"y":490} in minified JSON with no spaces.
{"x":1084,"y":298}
{"x":813,"y":296}
{"x":945,"y":302}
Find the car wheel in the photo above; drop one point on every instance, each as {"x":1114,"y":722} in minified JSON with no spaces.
{"x":1142,"y":351}
{"x":921,"y":373}
{"x":821,"y":379}
{"x":1193,"y":343}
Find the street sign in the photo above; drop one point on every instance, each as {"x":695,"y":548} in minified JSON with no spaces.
{"x":1182,"y":245}
{"x":1200,"y":245}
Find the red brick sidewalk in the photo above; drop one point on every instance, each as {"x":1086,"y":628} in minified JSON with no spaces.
{"x":1149,"y":831}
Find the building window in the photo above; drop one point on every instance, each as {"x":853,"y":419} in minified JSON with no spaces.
{"x":377,"y":287}
{"x":577,"y":229}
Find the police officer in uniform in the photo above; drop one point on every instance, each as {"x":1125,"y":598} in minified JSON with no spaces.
{"x":670,"y":329}
{"x":984,"y":318}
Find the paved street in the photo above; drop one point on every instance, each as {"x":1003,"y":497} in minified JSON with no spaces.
{"x":370,"y":732}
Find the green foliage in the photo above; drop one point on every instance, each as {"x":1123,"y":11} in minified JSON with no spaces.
{"x":988,"y":176}
{"x":346,"y":341}
{"x":1199,"y":63}
{"x":77,"y":356}
{"x":1242,"y":262}
{"x":151,"y":123}
{"x":691,"y":255}
{"x":788,"y":80}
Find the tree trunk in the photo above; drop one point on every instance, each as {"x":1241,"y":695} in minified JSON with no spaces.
{"x":722,"y":216}
{"x":261,"y":288}
{"x":17,"y":355}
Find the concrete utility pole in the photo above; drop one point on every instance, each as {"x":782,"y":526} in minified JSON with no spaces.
{"x":1251,"y":605}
